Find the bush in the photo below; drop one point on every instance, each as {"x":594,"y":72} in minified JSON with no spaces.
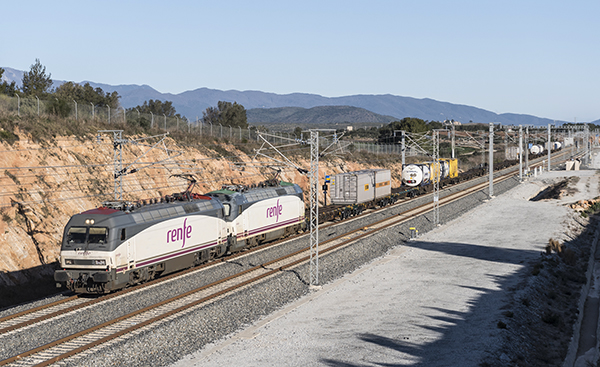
{"x":142,"y":122}
{"x":554,"y":245}
{"x":58,"y":107}
{"x":551,"y":318}
{"x":8,"y":136}
{"x":569,"y":257}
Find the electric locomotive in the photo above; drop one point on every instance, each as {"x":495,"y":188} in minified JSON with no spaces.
{"x":121,"y":244}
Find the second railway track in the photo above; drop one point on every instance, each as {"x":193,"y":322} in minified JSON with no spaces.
{"x":196,"y":297}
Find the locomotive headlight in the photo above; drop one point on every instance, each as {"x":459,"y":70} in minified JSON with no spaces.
{"x":68,"y":262}
{"x":99,"y":262}
{"x":89,"y":222}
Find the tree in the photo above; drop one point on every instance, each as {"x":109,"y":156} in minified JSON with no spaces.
{"x":226,"y":114}
{"x":211,"y":116}
{"x":408,"y":124}
{"x":298,"y":132}
{"x":158,"y":108}
{"x":35,"y":81}
{"x":8,"y":89}
{"x":87,"y":94}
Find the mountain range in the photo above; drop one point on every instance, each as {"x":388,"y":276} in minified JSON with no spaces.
{"x":267,"y":107}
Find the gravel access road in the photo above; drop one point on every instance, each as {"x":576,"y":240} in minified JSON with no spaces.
{"x":433,"y":301}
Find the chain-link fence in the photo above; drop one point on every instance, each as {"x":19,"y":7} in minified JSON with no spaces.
{"x":84,"y":111}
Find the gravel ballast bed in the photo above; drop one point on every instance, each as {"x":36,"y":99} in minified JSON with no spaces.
{"x":16,"y":343}
{"x":172,"y":340}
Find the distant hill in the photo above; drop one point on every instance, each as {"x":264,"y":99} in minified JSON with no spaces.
{"x":315,"y":115}
{"x":193,"y":103}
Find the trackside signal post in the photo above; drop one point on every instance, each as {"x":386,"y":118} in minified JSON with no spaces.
{"x":325,"y":188}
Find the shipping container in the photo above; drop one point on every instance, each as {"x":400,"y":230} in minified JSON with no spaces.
{"x":360,"y":186}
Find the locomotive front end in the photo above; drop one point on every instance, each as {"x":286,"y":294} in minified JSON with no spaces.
{"x":87,"y":255}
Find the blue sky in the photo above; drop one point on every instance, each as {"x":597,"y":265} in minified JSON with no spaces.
{"x":533,"y":57}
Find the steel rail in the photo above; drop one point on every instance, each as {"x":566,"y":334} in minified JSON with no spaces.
{"x":415,"y":212}
{"x":28,"y":320}
{"x":390,"y":222}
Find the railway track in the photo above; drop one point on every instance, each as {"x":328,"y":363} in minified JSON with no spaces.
{"x":152,"y":315}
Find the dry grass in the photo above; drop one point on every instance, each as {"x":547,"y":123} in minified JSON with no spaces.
{"x":554,"y":246}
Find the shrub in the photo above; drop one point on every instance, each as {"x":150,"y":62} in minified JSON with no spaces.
{"x":569,"y":257}
{"x":59,"y":107}
{"x":8,"y":136}
{"x":551,"y":318}
{"x":554,"y":245}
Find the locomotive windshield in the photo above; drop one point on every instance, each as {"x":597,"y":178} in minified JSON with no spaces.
{"x":98,"y":235}
{"x":76,"y":235}
{"x":86,"y":236}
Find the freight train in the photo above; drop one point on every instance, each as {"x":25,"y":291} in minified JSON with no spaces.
{"x":122,"y":244}
{"x":354,"y":192}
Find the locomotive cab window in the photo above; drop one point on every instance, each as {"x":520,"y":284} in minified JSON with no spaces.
{"x":76,"y":235}
{"x":123,"y":234}
{"x":98,"y":235}
{"x":226,"y":209}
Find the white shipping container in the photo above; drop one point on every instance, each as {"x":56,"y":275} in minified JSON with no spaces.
{"x":360,"y":186}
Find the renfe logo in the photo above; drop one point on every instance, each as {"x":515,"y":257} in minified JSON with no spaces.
{"x":179,"y":234}
{"x":275,"y":211}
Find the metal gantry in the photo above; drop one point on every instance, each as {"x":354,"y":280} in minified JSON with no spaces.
{"x":436,"y":177}
{"x":520,"y":153}
{"x":315,"y":153}
{"x":119,"y":171}
{"x":314,"y":208}
{"x":403,"y":145}
{"x":491,"y":161}
{"x":117,"y":161}
{"x":335,"y":147}
{"x":527,"y":149}
{"x":549,"y":146}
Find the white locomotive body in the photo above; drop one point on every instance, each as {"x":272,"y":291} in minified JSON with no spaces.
{"x":105,"y":249}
